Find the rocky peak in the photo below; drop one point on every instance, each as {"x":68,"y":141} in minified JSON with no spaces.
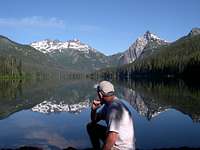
{"x":147,"y":35}
{"x":151,"y":36}
{"x":148,"y":40}
{"x":194,"y":31}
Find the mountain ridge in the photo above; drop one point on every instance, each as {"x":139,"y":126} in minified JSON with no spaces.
{"x":77,"y":56}
{"x":55,"y":47}
{"x":50,"y":44}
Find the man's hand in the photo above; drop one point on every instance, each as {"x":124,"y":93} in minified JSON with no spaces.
{"x":96,"y":104}
{"x":110,"y":140}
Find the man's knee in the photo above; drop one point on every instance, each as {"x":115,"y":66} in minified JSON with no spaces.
{"x":96,"y":129}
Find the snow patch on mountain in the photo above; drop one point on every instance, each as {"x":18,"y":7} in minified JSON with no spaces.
{"x":51,"y":46}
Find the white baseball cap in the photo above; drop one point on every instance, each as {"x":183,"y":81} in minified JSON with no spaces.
{"x":106,"y":88}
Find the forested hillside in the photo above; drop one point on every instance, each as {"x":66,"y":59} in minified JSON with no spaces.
{"x":17,"y":60}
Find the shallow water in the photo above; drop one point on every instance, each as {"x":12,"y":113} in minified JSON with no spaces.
{"x":53,"y":115}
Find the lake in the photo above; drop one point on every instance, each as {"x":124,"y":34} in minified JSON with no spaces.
{"x":54,"y":114}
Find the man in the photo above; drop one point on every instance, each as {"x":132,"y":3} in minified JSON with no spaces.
{"x":119,"y":132}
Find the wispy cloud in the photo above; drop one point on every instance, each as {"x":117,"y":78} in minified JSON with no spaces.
{"x":33,"y":28}
{"x":34,"y":21}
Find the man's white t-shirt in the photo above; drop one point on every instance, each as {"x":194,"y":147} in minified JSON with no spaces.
{"x":119,"y":119}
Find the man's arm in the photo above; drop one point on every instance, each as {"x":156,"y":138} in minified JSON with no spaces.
{"x":110,"y":140}
{"x":94,"y":116}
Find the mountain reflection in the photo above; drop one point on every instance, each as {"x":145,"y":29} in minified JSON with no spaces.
{"x":150,"y":98}
{"x":18,"y":95}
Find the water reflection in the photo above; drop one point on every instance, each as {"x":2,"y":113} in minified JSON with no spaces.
{"x":151,"y":98}
{"x":53,"y":114}
{"x":17,"y":95}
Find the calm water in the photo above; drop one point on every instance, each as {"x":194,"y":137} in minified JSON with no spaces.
{"x":53,"y":114}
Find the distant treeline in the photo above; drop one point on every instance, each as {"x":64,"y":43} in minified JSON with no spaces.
{"x":179,"y":59}
{"x":13,"y":68}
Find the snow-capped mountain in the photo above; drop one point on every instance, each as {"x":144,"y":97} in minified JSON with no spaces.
{"x":51,"y":46}
{"x":73,"y":54}
{"x":148,"y":41}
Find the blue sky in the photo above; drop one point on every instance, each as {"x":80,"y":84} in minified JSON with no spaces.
{"x":107,"y":25}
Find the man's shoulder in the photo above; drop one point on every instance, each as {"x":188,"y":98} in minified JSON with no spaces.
{"x":116,"y":107}
{"x":116,"y":103}
{"x":120,"y":102}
